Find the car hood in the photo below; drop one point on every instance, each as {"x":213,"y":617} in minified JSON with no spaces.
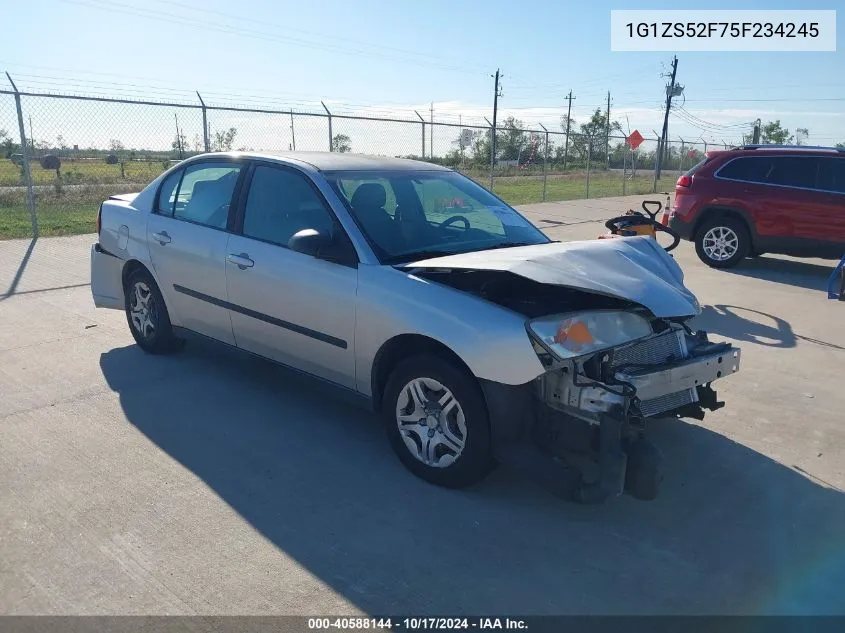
{"x":633,"y":268}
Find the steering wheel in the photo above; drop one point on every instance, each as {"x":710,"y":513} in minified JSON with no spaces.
{"x":619,"y":224}
{"x":452,"y":220}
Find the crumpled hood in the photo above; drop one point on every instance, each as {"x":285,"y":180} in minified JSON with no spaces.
{"x":632,"y":268}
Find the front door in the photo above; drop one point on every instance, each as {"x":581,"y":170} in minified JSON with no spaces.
{"x":285,"y":305}
{"x":187,"y":236}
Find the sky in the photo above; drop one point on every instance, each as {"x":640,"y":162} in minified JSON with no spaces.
{"x":394,"y":58}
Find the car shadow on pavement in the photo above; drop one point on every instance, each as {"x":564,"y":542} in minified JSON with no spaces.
{"x":733,"y":531}
{"x":745,"y":324}
{"x":791,"y":272}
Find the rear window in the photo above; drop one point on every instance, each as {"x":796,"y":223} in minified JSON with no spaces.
{"x":747,"y":168}
{"x":697,"y":166}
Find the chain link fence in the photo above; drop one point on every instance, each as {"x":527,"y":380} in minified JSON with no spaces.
{"x":60,"y":156}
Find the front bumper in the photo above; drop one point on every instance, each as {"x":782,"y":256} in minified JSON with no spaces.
{"x":586,"y":442}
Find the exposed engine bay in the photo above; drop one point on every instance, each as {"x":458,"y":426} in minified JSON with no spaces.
{"x":592,"y":408}
{"x":528,"y":297}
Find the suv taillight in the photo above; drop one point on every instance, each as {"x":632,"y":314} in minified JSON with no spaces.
{"x":684,"y":181}
{"x":99,"y":219}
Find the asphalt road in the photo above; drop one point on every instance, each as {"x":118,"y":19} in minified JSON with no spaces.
{"x":211,"y":483}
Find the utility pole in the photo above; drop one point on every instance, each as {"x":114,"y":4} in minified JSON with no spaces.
{"x":32,"y":138}
{"x":671,"y":89}
{"x":607,"y":134}
{"x":566,"y":145}
{"x":755,"y":137}
{"x":292,"y":133}
{"x":493,"y":130}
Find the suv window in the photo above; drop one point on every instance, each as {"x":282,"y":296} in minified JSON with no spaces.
{"x":205,"y":193}
{"x":832,"y":174}
{"x":280,"y":203}
{"x":747,"y":168}
{"x":794,"y":171}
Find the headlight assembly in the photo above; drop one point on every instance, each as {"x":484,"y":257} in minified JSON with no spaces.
{"x":580,"y":333}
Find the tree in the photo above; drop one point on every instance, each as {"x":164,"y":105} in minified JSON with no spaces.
{"x":341,"y":143}
{"x":773,"y":133}
{"x":179,"y":144}
{"x":592,"y":134}
{"x":222,"y":141}
{"x":480,"y":147}
{"x":840,"y":145}
{"x":116,"y":146}
{"x":801,"y":134}
{"x":8,"y":146}
{"x":511,"y":140}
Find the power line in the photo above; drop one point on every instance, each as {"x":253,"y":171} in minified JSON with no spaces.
{"x":196,"y":23}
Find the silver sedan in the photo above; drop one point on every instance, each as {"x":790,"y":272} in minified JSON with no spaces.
{"x":476,"y":338}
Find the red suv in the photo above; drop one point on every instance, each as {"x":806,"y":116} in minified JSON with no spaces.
{"x":762,"y":199}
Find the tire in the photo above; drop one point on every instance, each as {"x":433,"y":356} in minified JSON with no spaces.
{"x":150,"y":326}
{"x":722,"y":242}
{"x":459,"y":442}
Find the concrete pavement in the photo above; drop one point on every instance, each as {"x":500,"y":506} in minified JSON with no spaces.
{"x":212,"y":483}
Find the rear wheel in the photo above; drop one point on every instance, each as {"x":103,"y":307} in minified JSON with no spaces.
{"x":147,"y":315}
{"x":437,"y":422}
{"x":722,"y":242}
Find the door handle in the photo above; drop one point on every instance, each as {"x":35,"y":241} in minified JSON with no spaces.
{"x":162,"y":238}
{"x":242,"y":261}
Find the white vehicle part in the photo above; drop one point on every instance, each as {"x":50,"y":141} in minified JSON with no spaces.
{"x":687,"y":375}
{"x":632,"y":268}
{"x":106,"y":279}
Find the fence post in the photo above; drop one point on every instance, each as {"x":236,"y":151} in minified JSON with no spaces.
{"x":27,"y":171}
{"x":331,"y":136}
{"x":545,"y":160}
{"x":423,"y":132}
{"x":204,"y":123}
{"x":657,"y":157}
{"x":292,"y":133}
{"x":589,"y":159}
{"x":492,"y":150}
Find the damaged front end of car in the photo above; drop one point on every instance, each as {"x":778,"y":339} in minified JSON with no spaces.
{"x":609,"y":322}
{"x":591,"y":409}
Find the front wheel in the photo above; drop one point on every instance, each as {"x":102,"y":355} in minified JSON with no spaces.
{"x":147,"y":315}
{"x":722,"y":242}
{"x":437,"y":422}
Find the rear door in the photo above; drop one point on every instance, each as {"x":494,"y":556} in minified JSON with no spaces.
{"x":792,"y":191}
{"x":285,"y":305}
{"x":187,"y":236}
{"x":832,"y":183}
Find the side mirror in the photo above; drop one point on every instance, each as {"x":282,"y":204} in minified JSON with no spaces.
{"x":310,"y":242}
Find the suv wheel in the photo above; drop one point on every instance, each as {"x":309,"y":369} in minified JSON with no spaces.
{"x":437,"y":423}
{"x":722,"y":242}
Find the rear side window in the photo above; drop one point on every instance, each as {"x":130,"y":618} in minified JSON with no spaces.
{"x":205,"y":193}
{"x":794,"y":171}
{"x":747,"y":169}
{"x":832,"y":174}
{"x":167,"y":193}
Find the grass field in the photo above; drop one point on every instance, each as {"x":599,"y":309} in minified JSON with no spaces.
{"x":71,"y":207}
{"x":83,"y":171}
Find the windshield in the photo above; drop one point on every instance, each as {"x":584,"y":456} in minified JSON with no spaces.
{"x":408,"y":215}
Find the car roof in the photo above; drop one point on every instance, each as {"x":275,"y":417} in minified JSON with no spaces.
{"x":780,"y":150}
{"x":338,"y":161}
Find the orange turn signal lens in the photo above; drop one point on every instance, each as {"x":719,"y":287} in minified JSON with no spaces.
{"x":573,"y":334}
